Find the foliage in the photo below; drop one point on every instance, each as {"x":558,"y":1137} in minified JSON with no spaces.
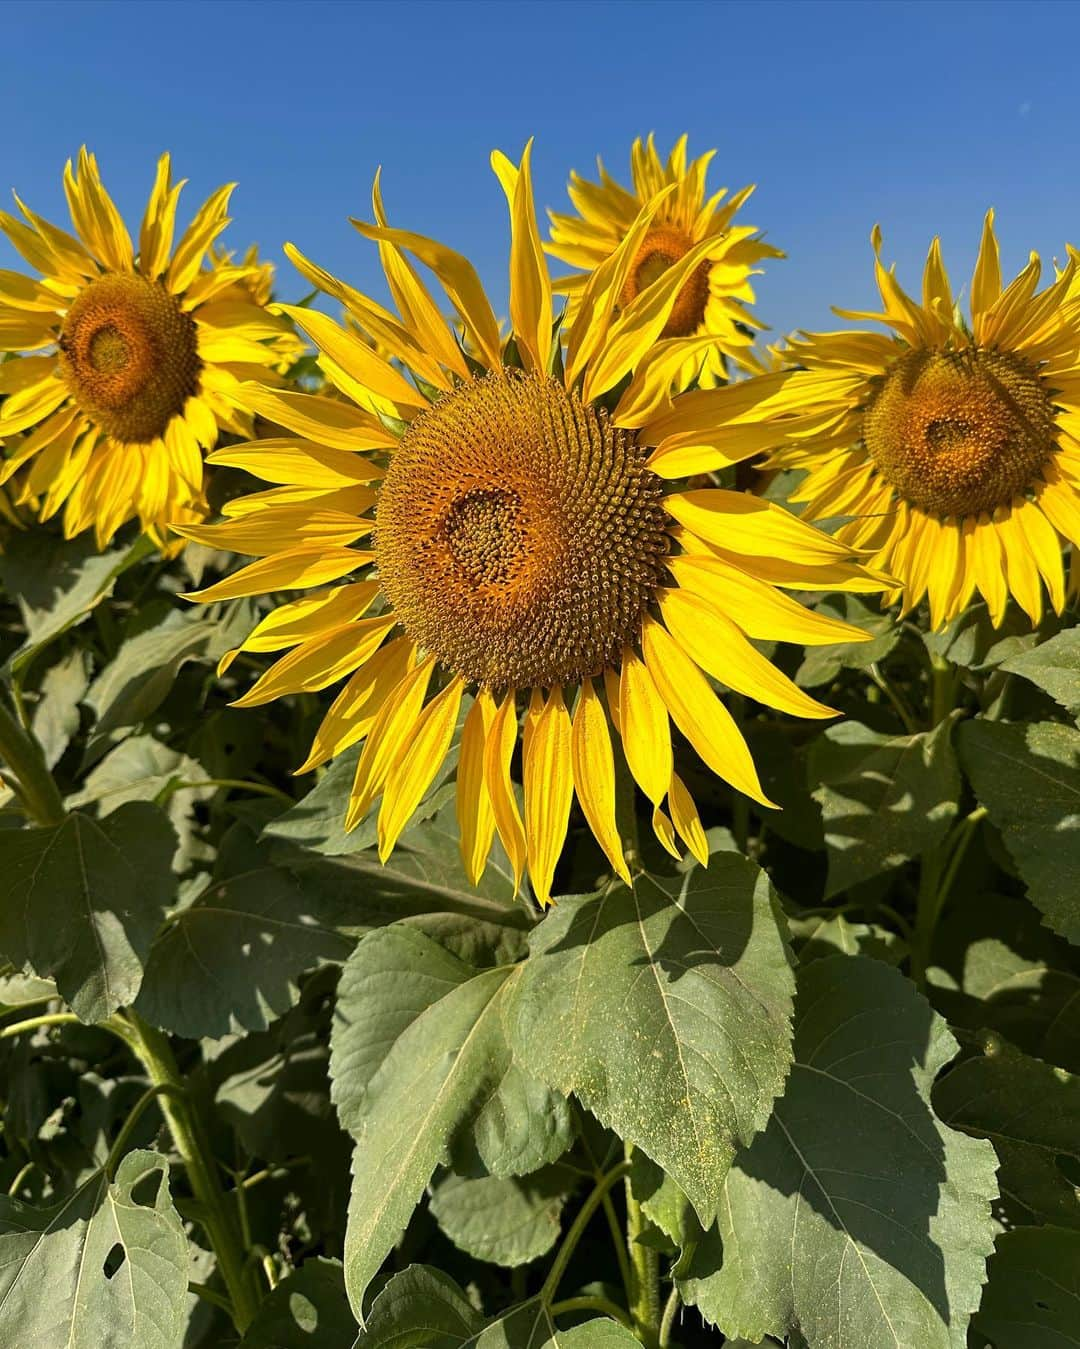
{"x":262,"y":1090}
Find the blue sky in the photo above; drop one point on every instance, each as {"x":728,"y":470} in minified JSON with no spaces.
{"x":918,"y":115}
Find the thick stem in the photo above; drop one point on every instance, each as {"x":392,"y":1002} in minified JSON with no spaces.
{"x":943,"y":690}
{"x":645,"y":1293}
{"x":218,"y":1219}
{"x":29,"y":774}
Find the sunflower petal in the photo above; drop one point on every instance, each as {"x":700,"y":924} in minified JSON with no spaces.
{"x":414,"y":771}
{"x":497,"y":755}
{"x":475,"y":817}
{"x":549,"y":791}
{"x":594,"y":776}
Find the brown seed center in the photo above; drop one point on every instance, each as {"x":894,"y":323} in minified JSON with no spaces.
{"x":959,"y":433}
{"x":661,"y":248}
{"x":130,"y":356}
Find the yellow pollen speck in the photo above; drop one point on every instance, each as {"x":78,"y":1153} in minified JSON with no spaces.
{"x":519,"y":535}
{"x":661,"y":248}
{"x":130,"y":356}
{"x":959,"y":433}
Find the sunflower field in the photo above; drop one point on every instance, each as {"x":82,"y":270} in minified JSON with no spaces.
{"x":544,"y":829}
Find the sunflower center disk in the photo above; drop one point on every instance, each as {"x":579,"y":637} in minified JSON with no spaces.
{"x":519,"y":535}
{"x":959,"y":433}
{"x":661,"y":248}
{"x":130,"y":356}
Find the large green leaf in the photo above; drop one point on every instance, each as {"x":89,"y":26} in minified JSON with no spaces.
{"x":666,"y":1009}
{"x":81,"y":902}
{"x":1028,"y":778}
{"x":417,"y":1048}
{"x":822,"y":664}
{"x":884,"y":799}
{"x":231,"y":960}
{"x":56,"y":712}
{"x":308,"y":1310}
{"x":106,"y":1268}
{"x":1030,"y":1111}
{"x":57,"y":582}
{"x":1054,"y":666}
{"x":1032,"y":1300}
{"x":856,"y":1220}
{"x":507,"y":1220}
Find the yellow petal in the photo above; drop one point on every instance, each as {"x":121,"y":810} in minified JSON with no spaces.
{"x":476,"y":820}
{"x":414,"y":771}
{"x":594,"y":776}
{"x":1045,"y":547}
{"x":762,"y":612}
{"x":549,"y":791}
{"x":686,"y":820}
{"x":326,"y":421}
{"x":356,"y":358}
{"x":320,"y":661}
{"x":643,"y":722}
{"x":395,"y":721}
{"x":530,"y":284}
{"x":747,"y":524}
{"x":281,"y":529}
{"x":352,"y":713}
{"x":665,"y":832}
{"x":1020,"y":568}
{"x":698,"y":712}
{"x":715,"y":644}
{"x":298,"y":462}
{"x":986,"y":282}
{"x":497,"y":755}
{"x":292,"y":623}
{"x":297,"y":569}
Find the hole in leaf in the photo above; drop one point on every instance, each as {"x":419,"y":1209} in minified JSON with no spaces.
{"x":1042,"y":1306}
{"x":114,"y":1260}
{"x":145,"y":1190}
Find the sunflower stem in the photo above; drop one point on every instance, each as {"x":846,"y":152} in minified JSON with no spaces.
{"x":943,"y":683}
{"x":577,"y":1230}
{"x":645,"y":1292}
{"x":188,"y":1130}
{"x":28,"y":774}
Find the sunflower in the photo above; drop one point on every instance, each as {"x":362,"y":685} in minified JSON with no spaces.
{"x":132,"y":359}
{"x":709,"y":319}
{"x":952,"y":451}
{"x":500,"y":542}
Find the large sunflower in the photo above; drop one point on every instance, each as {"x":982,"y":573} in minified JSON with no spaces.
{"x":709,"y":319}
{"x":132,"y":357}
{"x":508,"y":543}
{"x":954,"y":449}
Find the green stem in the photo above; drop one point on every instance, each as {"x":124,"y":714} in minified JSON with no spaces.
{"x":593,"y":1304}
{"x":939,"y":870}
{"x":31,"y":779}
{"x":645,"y":1294}
{"x":238,"y":784}
{"x":17,"y":1184}
{"x":33,"y":1022}
{"x":943,"y":690}
{"x":667,"y":1321}
{"x":149,"y":1096}
{"x":577,"y":1229}
{"x":217,"y":1216}
{"x":900,"y":706}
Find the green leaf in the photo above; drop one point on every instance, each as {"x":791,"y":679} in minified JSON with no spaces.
{"x":532,"y":1325}
{"x":1054,"y":666}
{"x":57,"y":582}
{"x":831,"y":934}
{"x":1030,"y":1111}
{"x":1028,"y":778}
{"x":308,"y":1308}
{"x":56,"y":712}
{"x":81,"y":902}
{"x":884,"y":799}
{"x":999,"y":967}
{"x":420,"y":1308}
{"x":505,"y":1220}
{"x":141,"y":674}
{"x":106,"y":1268}
{"x":1032,"y":1300}
{"x":666,"y":1010}
{"x":976,"y":643}
{"x":417,"y":1048}
{"x":230,"y":961}
{"x":856,"y":1220}
{"x":141,"y":768}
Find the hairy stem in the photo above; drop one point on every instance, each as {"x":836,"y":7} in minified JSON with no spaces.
{"x":667,"y":1321}
{"x":217,"y":1216}
{"x":645,"y":1294}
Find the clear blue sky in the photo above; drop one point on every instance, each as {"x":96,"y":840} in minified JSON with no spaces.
{"x":917,"y":115}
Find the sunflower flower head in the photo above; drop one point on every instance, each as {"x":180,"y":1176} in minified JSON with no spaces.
{"x":128,"y":358}
{"x":710,"y":320}
{"x":949,"y":448}
{"x":502,"y":545}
